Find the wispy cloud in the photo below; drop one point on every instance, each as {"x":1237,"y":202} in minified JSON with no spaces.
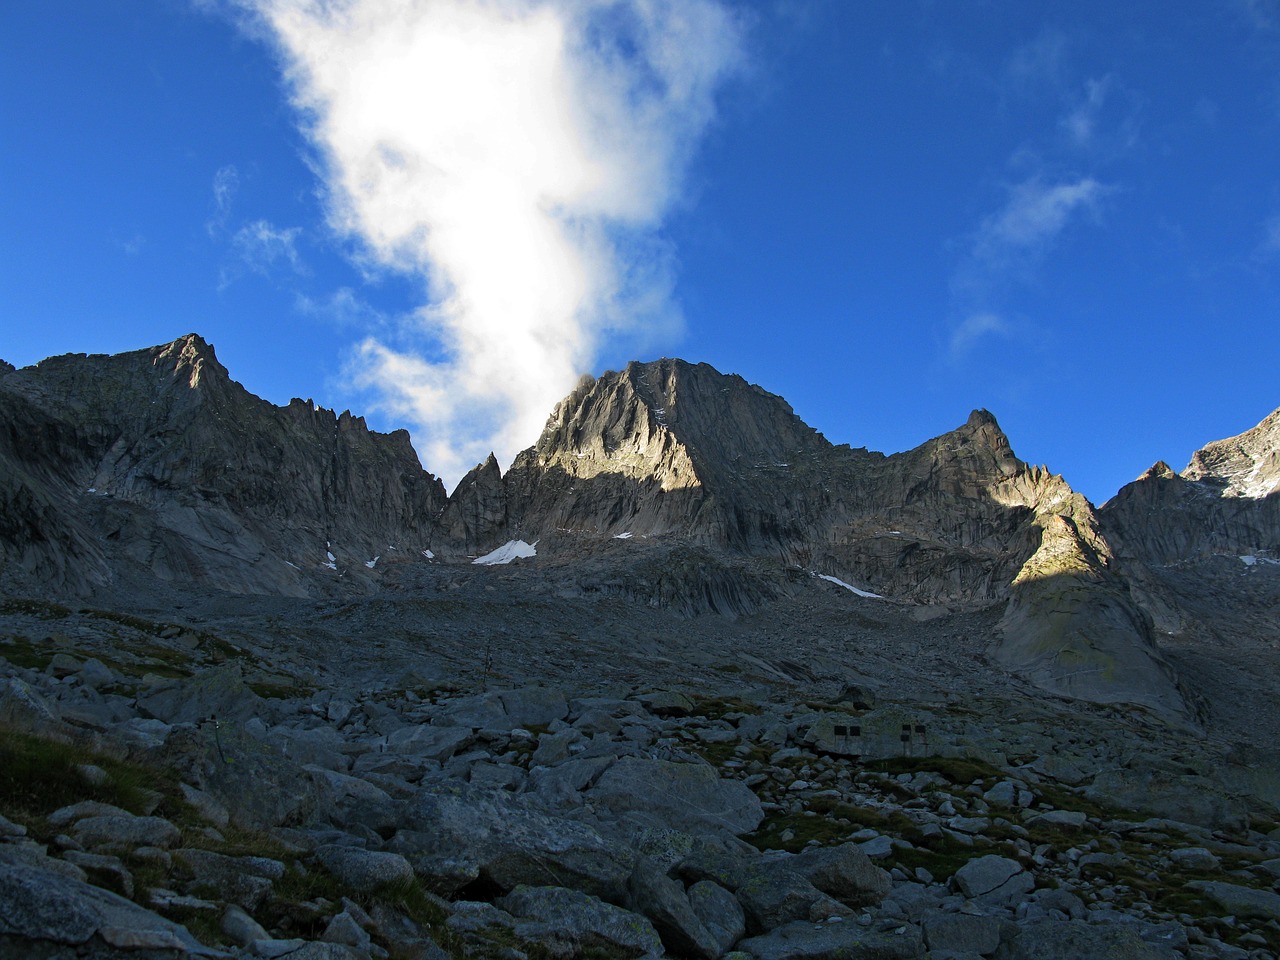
{"x":131,"y":245}
{"x":1034,"y":215}
{"x":1006,"y":250}
{"x":226,"y":182}
{"x":344,"y":309}
{"x":975,"y":327}
{"x":517,"y":155}
{"x":264,"y":249}
{"x":1041,"y":61}
{"x":1081,"y":121}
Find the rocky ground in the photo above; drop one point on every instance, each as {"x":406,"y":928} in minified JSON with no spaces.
{"x":526,"y":762}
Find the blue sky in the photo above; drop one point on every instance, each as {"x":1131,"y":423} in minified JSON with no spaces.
{"x":888,"y":212}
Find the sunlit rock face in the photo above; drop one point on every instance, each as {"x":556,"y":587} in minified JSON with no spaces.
{"x":1226,"y":502}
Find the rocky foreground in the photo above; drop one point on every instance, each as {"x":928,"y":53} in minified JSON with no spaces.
{"x":165,"y":792}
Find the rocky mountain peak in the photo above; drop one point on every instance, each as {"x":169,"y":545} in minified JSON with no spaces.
{"x":1244,"y":466}
{"x":1158,"y":471}
{"x":187,"y":358}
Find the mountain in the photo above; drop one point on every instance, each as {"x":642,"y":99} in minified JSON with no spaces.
{"x":155,"y":464}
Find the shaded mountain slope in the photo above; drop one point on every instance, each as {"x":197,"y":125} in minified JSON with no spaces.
{"x":157,"y":461}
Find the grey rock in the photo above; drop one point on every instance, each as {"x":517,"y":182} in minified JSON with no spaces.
{"x":1240,"y":901}
{"x":578,"y":919}
{"x":720,"y":913}
{"x":534,"y":706}
{"x":432,"y":743}
{"x":664,"y":901}
{"x":85,"y":808}
{"x":106,"y":871}
{"x":1059,"y":818}
{"x":1075,"y":940}
{"x":242,"y":928}
{"x":245,"y":881}
{"x":961,"y":933}
{"x":320,"y":950}
{"x":346,"y":800}
{"x":343,"y":928}
{"x":270,"y":947}
{"x":119,"y":832}
{"x":845,"y":872}
{"x":364,"y":871}
{"x":319,"y":746}
{"x":451,"y":830}
{"x":993,"y":877}
{"x":23,"y":708}
{"x":10,"y":829}
{"x":835,"y":941}
{"x":258,"y":784}
{"x":1195,"y":858}
{"x":219,"y":692}
{"x":44,"y":907}
{"x":687,"y":796}
{"x":206,"y":805}
{"x":771,"y":895}
{"x":497,"y":776}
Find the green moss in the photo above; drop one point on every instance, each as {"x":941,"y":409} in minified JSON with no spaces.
{"x":798,"y":830}
{"x":37,"y":776}
{"x":34,"y":608}
{"x":942,"y":860}
{"x":21,"y":652}
{"x":893,"y":823}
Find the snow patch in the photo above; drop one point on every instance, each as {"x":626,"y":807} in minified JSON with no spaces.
{"x":848,"y":586}
{"x":428,"y":554}
{"x":622,"y":536}
{"x":511,"y":550}
{"x":374,"y":562}
{"x":1250,"y":560}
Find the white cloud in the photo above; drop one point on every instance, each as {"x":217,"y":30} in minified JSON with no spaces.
{"x":1035,"y":214}
{"x":226,"y":182}
{"x":1042,"y":61}
{"x":344,"y":308}
{"x":518,"y":155}
{"x":973,"y":328}
{"x":262,"y":248}
{"x":1081,"y":122}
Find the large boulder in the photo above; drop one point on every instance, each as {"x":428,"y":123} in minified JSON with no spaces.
{"x":580,"y":922}
{"x":258,"y":784}
{"x":219,"y":692}
{"x":687,"y":796}
{"x":664,"y":901}
{"x":1074,"y":940}
{"x":844,"y":872}
{"x":454,"y":832}
{"x":994,"y":879}
{"x":43,"y":911}
{"x":364,"y":871}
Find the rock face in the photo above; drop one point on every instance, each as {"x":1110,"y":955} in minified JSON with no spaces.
{"x":155,"y":467}
{"x":1227,"y":501}
{"x":156,"y":461}
{"x":668,"y":448}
